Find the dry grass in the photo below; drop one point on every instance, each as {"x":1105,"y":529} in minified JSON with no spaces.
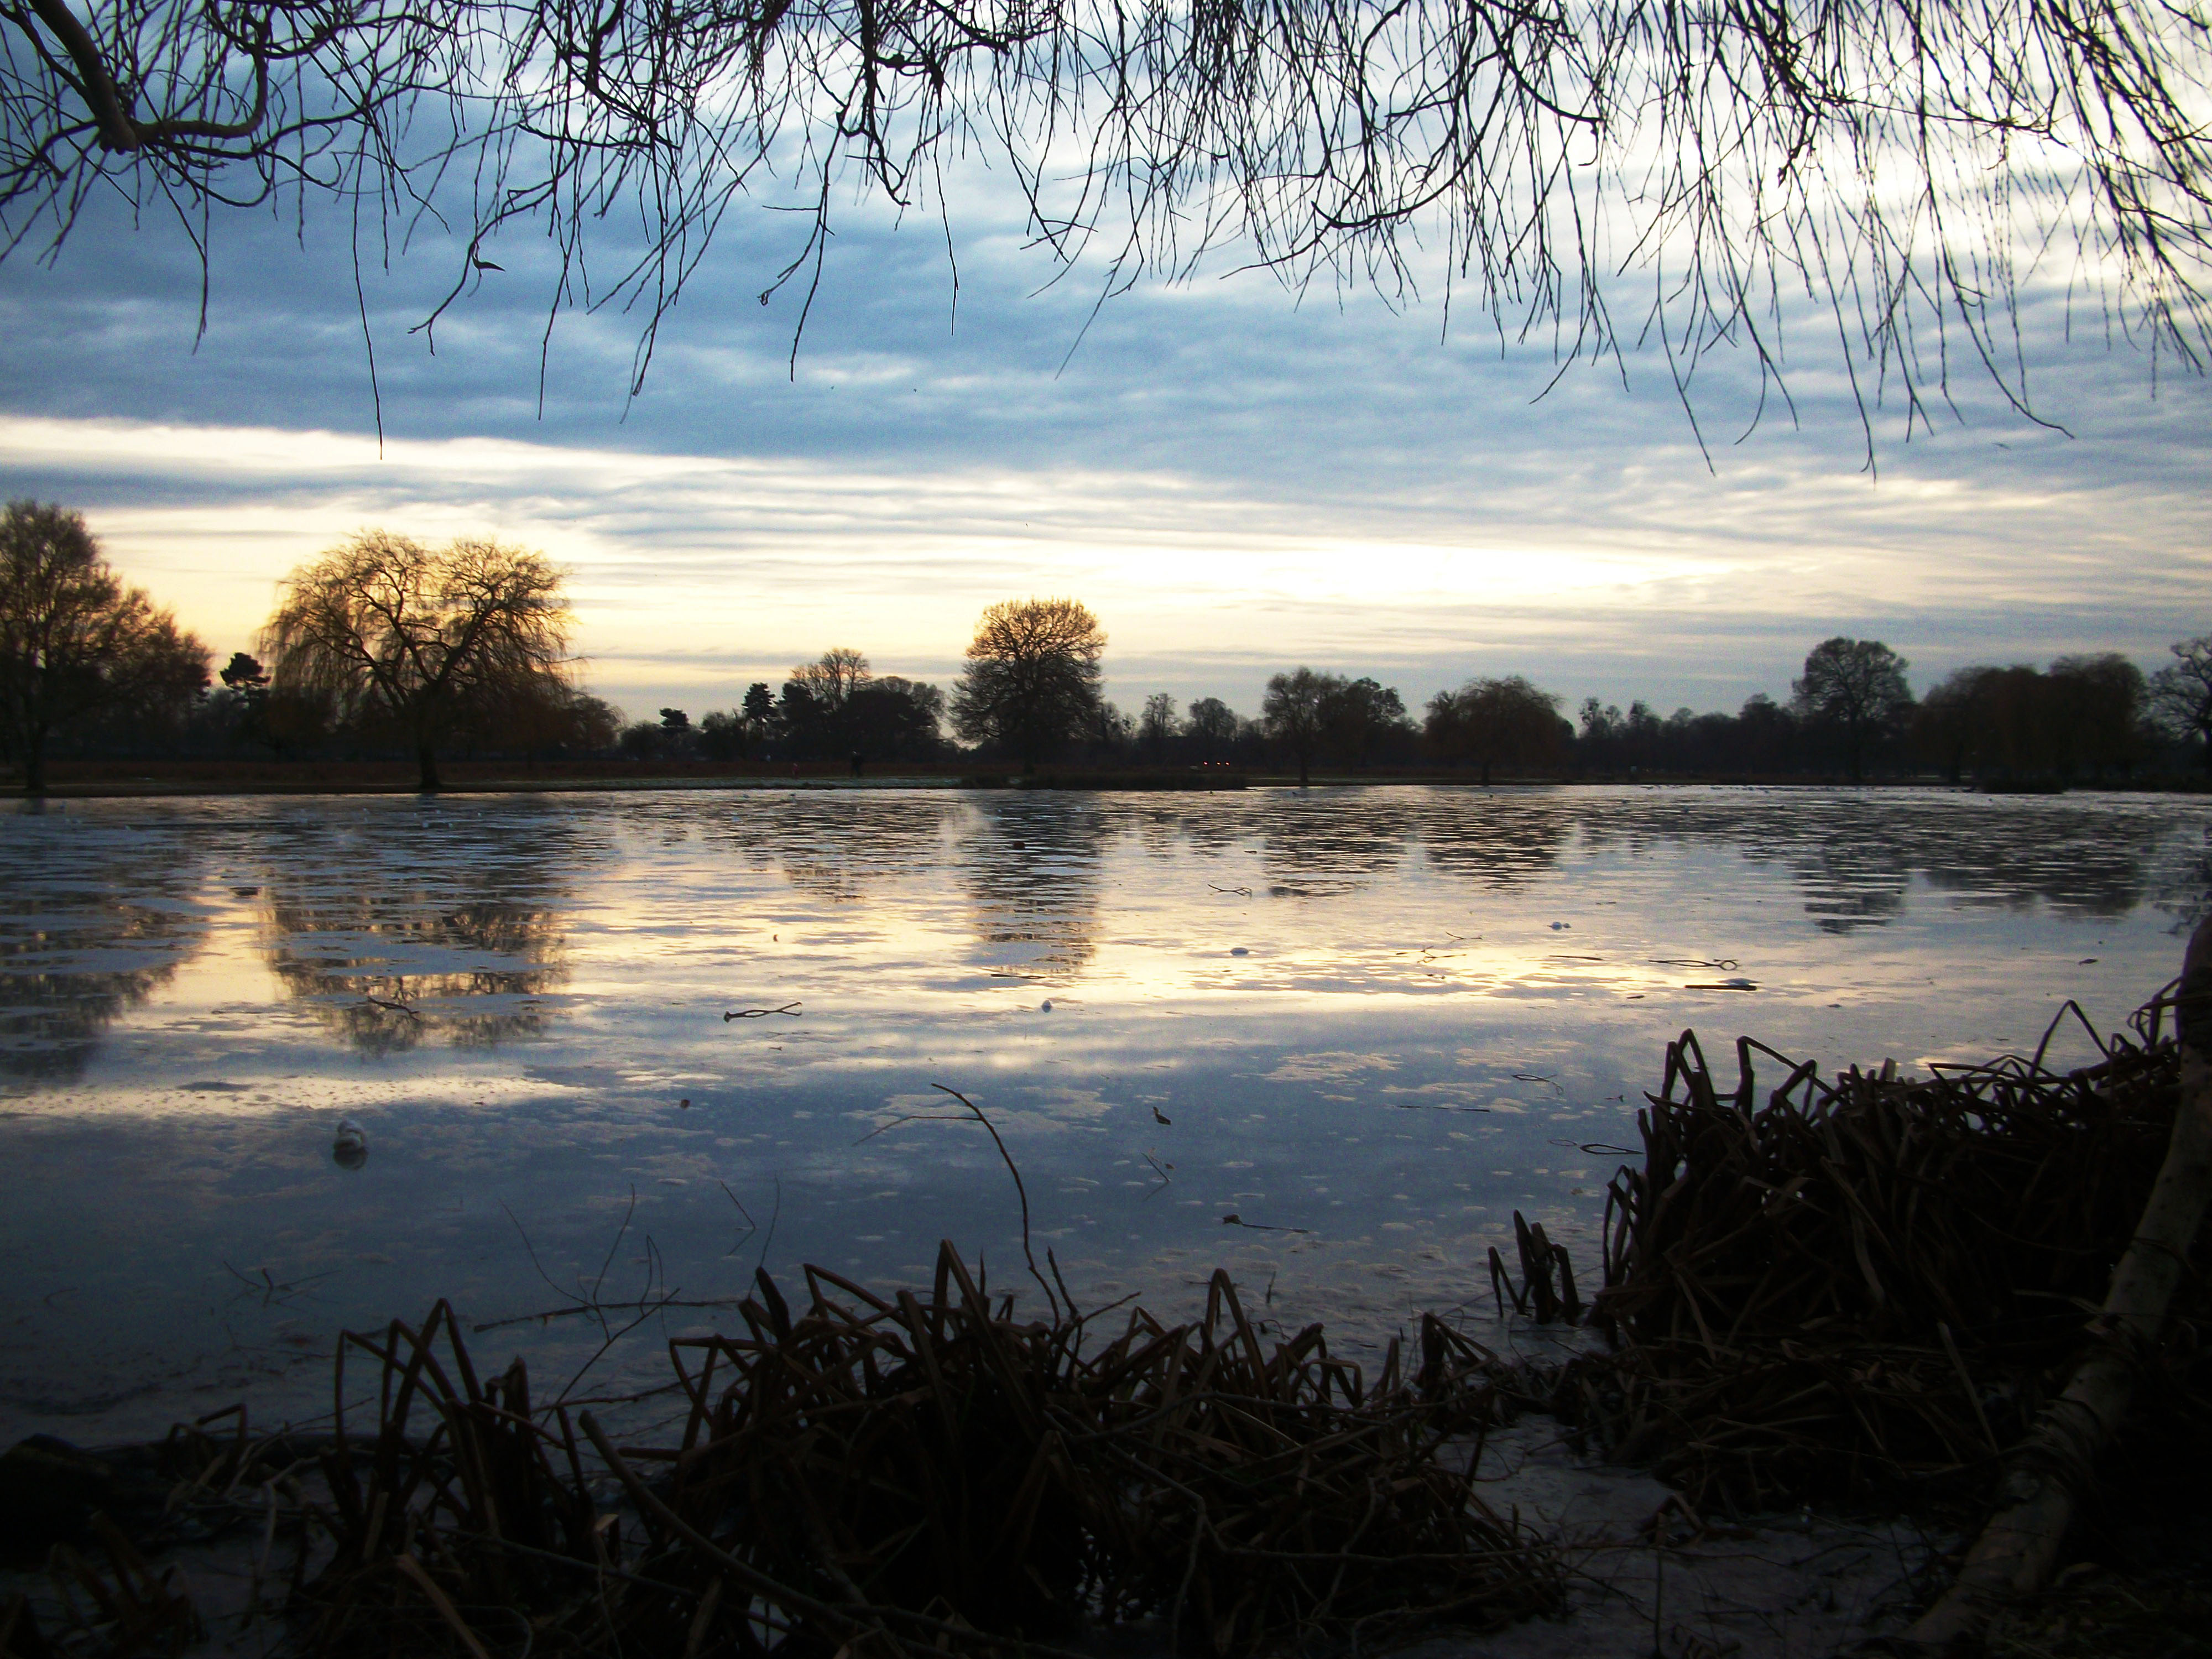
{"x":865,"y":1474}
{"x":1846,"y":1284}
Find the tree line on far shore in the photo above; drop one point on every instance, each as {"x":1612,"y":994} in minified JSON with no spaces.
{"x":383,"y":646}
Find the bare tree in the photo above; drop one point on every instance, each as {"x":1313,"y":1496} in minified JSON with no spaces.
{"x":1295,"y":709}
{"x":1490,"y":722}
{"x":2181,"y":693}
{"x":1901,"y":166}
{"x":1858,"y":684}
{"x":389,"y":633}
{"x":1032,"y":678}
{"x":1157,"y":726}
{"x":76,"y":645}
{"x":832,"y":677}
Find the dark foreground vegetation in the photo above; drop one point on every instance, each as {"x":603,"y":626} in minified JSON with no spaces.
{"x":1871,"y":1288}
{"x":383,"y":650}
{"x":1867,"y":1285}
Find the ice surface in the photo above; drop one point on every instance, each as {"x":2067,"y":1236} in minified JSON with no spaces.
{"x":1346,"y":1011}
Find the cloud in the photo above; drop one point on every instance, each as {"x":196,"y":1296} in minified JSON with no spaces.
{"x":1236,"y":480}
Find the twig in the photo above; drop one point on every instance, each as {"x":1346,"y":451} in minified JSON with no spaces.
{"x":1020,"y":1191}
{"x":742,"y":1211}
{"x":267,"y":1286}
{"x":532,"y":1250}
{"x":620,"y":1232}
{"x":410,"y":1569}
{"x":607,"y":1307}
{"x":774,"y":1215}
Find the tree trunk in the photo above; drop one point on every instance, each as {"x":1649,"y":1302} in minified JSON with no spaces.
{"x":34,"y":762}
{"x":426,"y":759}
{"x":2053,"y":1467}
{"x":1302,"y":769}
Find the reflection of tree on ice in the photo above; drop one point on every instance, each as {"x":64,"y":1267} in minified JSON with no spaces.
{"x":392,"y":946}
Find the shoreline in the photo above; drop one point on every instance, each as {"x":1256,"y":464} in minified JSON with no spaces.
{"x":374,"y":779}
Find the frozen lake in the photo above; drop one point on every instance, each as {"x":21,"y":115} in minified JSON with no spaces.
{"x":1368,"y":1024}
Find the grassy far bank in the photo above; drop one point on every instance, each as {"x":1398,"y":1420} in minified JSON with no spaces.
{"x":94,"y":779}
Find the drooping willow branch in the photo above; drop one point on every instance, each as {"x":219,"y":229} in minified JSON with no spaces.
{"x":1899,"y":162}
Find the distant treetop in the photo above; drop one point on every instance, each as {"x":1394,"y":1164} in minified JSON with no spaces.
{"x":1032,"y":678}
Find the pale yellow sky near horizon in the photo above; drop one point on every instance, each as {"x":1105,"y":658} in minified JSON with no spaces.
{"x":694,"y":575}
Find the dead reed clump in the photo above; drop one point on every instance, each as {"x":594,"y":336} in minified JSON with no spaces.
{"x":1867,"y":1280}
{"x":107,"y":1601}
{"x":899,"y":1474}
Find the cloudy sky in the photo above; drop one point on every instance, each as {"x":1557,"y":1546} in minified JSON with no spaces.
{"x":1235,"y":477}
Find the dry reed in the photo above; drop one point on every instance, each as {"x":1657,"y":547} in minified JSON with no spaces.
{"x":1864,"y":1281}
{"x":900,"y":1473}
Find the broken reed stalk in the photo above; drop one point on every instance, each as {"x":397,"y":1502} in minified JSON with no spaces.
{"x":130,"y":1607}
{"x":1547,"y":1292}
{"x":2054,"y":1467}
{"x":911,"y":1475}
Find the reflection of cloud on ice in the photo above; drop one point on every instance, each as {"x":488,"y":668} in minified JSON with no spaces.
{"x":1329,"y":1066}
{"x":1529,"y":1055}
{"x":1051,"y":1106}
{"x":896,"y":1104}
{"x":1062,"y":1105}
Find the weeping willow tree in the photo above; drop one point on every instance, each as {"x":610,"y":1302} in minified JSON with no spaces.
{"x":1903,"y":164}
{"x":402,"y":641}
